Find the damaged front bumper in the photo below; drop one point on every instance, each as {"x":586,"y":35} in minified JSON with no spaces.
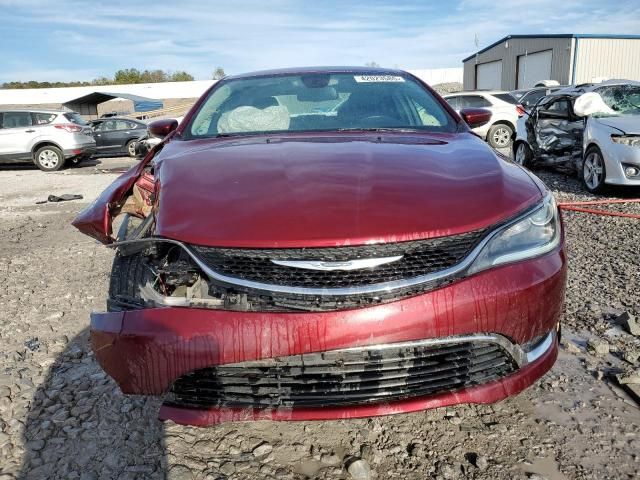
{"x":150,"y":351}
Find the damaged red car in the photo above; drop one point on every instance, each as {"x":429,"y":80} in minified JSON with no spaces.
{"x":326,"y":243}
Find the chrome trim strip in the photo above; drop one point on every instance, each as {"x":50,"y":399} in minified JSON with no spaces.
{"x":512,"y":349}
{"x":344,"y":266}
{"x":342,"y":291}
{"x":542,"y":347}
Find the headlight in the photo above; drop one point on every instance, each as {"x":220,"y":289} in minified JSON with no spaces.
{"x":630,"y":140}
{"x":531,"y":236}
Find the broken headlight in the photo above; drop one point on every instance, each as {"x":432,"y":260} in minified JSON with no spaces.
{"x":629,"y":140}
{"x":531,"y":236}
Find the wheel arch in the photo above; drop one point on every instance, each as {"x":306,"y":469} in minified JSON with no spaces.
{"x":506,"y":122}
{"x":44,"y":143}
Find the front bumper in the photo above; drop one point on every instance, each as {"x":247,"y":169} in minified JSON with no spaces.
{"x":616,"y":157}
{"x":145,"y":351}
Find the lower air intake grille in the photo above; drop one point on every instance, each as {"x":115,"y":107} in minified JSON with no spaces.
{"x":354,"y":376}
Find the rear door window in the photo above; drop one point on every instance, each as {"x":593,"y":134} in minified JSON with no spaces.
{"x":16,"y":120}
{"x":44,"y":118}
{"x":124,"y":125}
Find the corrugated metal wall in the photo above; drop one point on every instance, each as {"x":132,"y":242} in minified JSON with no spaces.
{"x":608,"y":58}
{"x":509,"y":51}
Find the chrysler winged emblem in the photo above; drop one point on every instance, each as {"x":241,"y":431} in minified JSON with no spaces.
{"x":343,"y":265}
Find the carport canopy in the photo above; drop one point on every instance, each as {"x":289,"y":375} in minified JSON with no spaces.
{"x":88,"y":104}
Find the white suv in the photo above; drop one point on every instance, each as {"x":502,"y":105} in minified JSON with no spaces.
{"x":47,"y":137}
{"x":504,"y":114}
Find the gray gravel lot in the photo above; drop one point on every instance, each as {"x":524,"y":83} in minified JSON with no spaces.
{"x":61,"y":417}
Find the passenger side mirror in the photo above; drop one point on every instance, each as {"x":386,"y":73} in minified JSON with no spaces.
{"x":475,"y":117}
{"x":162,"y":128}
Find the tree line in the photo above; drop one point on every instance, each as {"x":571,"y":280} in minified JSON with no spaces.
{"x":121,"y":77}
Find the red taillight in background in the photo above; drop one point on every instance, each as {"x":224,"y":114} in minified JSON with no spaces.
{"x":520,"y":109}
{"x":69,"y":127}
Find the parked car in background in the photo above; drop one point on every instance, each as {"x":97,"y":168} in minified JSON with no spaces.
{"x":282,"y":259}
{"x":530,"y":96}
{"x":113,"y":114}
{"x":48,"y":138}
{"x":594,"y":128}
{"x":504,"y":109}
{"x":117,"y":135}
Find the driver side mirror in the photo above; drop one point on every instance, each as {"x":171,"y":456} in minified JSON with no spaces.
{"x":475,"y":117}
{"x":162,"y":128}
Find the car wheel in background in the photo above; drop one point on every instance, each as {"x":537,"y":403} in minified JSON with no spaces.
{"x":522,"y":155}
{"x":593,"y":171}
{"x":131,"y":148}
{"x":499,"y":135}
{"x":49,"y":158}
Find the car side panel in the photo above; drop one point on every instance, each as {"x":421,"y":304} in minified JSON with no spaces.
{"x":613,"y":154}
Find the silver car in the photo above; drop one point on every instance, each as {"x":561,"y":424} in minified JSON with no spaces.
{"x":603,"y":146}
{"x":48,"y":138}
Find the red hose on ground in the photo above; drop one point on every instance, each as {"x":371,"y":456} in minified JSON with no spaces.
{"x":575,"y":207}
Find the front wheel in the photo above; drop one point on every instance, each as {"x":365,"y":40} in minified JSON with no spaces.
{"x":499,"y":135}
{"x":49,"y":158}
{"x":594,"y":172}
{"x":523,"y":155}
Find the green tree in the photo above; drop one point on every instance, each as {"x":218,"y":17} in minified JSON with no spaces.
{"x":181,"y":76}
{"x":124,"y":76}
{"x":218,"y":73}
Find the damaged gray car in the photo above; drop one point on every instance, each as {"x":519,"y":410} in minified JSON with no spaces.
{"x":593,"y":130}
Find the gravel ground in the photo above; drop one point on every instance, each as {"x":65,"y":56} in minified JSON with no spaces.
{"x":61,"y":417}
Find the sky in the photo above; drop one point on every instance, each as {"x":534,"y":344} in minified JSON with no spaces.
{"x":67,"y":40}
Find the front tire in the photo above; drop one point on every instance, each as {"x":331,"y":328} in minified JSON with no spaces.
{"x":523,"y":155}
{"x":594,"y":172}
{"x":49,"y":158}
{"x":499,"y":135}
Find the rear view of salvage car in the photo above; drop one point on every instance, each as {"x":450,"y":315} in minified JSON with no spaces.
{"x":326,"y":243}
{"x":594,"y":129}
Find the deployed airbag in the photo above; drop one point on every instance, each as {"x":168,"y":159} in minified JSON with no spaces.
{"x":251,"y":119}
{"x":591,"y":103}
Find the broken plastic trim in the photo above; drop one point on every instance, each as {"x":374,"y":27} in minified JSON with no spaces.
{"x":451,"y":272}
{"x":149,"y":294}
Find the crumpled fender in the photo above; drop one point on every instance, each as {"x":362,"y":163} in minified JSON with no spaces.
{"x":95,"y":220}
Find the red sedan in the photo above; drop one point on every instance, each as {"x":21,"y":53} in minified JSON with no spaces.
{"x":326,"y":243}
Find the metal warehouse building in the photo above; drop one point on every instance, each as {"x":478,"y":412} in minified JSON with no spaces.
{"x":519,"y":61}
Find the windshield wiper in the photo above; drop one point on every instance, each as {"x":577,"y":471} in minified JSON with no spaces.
{"x":381,"y":129}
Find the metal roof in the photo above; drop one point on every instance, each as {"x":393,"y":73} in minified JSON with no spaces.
{"x":554,"y":35}
{"x":141,"y":104}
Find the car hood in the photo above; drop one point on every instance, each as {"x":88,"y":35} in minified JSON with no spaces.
{"x":323,"y":190}
{"x":624,"y":123}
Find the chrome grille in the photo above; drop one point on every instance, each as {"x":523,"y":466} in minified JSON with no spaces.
{"x":419,"y":257}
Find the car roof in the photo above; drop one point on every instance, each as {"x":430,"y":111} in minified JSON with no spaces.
{"x":106,"y":119}
{"x":304,"y":70}
{"x":576,"y":90}
{"x":35,"y":110}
